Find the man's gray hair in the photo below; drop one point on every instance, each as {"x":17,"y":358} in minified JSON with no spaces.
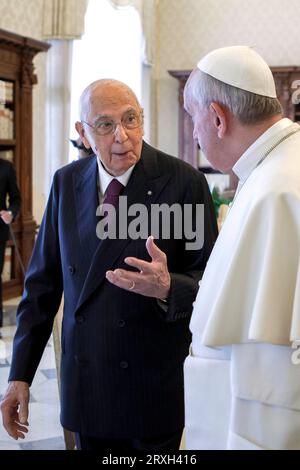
{"x":247,"y":107}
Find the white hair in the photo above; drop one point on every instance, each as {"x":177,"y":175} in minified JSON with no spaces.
{"x":247,"y":107}
{"x":85,"y":98}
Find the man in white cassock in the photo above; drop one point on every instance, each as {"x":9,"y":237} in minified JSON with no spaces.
{"x":242,"y":377}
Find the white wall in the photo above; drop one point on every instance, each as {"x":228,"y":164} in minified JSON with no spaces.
{"x":25,"y":17}
{"x":191,"y":28}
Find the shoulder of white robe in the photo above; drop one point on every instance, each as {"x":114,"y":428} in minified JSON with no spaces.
{"x":250,"y":290}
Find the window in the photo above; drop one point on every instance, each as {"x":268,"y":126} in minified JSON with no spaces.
{"x":110,"y":48}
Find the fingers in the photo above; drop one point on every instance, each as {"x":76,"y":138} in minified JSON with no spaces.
{"x":20,"y":435}
{"x":153,"y":278}
{"x":121,"y":278}
{"x":153,"y":250}
{"x":12,"y":425}
{"x":140,"y":264}
{"x":155,"y":253}
{"x":17,"y":431}
{"x":14,"y":408}
{"x":14,"y":429}
{"x":23,"y":410}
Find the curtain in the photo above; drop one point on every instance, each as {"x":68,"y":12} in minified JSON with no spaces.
{"x":147,"y":10}
{"x":58,"y":83}
{"x":63,"y":19}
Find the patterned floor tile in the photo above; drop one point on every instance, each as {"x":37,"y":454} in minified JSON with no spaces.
{"x":45,"y":431}
{"x":54,"y":443}
{"x":4,"y":363}
{"x":49,"y":373}
{"x":8,"y":446}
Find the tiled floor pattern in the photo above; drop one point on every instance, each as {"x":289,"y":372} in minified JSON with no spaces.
{"x":45,"y":432}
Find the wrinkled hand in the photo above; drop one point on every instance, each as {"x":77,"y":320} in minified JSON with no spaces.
{"x":14,"y":409}
{"x":6,"y":216}
{"x":153,"y":280}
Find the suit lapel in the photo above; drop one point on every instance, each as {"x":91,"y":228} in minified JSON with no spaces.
{"x":144,"y":187}
{"x":86,"y":202}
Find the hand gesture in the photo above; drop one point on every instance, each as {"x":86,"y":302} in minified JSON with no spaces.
{"x":153,"y":280}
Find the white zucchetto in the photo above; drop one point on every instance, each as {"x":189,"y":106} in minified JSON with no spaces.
{"x":241,"y":67}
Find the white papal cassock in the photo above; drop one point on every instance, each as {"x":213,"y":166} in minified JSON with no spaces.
{"x":242,"y":389}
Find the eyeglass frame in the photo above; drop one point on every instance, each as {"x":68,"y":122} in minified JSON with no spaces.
{"x":116,"y":124}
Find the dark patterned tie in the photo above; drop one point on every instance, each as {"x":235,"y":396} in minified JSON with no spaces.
{"x":113,"y":191}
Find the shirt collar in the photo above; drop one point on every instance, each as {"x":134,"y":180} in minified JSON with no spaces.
{"x":252,"y":156}
{"x":105,"y":178}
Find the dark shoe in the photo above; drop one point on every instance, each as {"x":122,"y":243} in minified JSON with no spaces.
{"x":0,"y":334}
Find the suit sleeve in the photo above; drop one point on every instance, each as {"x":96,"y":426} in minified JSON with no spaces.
{"x":184,"y":284}
{"x":41,"y":297}
{"x":13,"y":192}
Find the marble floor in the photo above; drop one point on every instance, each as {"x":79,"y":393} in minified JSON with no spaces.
{"x":45,"y":431}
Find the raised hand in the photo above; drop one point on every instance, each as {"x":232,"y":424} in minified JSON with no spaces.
{"x":153,"y":278}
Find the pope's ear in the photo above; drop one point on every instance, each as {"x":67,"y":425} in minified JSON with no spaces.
{"x":80,"y":129}
{"x":219,"y":118}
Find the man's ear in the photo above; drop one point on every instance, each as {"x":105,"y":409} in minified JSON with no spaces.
{"x":219,"y":118}
{"x":80,"y":129}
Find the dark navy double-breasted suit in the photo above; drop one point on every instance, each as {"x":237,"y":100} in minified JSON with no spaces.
{"x":122,"y":354}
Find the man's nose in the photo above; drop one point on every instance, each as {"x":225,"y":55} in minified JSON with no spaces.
{"x":120,"y":133}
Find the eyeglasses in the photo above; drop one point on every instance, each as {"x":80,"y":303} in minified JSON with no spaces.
{"x":104,"y":125}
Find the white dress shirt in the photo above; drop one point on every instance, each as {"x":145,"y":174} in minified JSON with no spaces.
{"x":105,"y":178}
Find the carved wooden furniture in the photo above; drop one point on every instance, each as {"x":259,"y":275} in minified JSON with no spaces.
{"x":17,"y":78}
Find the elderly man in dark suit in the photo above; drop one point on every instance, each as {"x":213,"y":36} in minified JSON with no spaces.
{"x":8,"y":188}
{"x":127,"y":301}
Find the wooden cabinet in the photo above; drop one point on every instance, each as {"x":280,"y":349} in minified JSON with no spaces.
{"x":286,"y":86}
{"x":188,"y":149}
{"x":17,"y":78}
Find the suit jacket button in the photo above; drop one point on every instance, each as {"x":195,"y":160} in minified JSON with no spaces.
{"x":71,"y":269}
{"x":80,"y":319}
{"x":121,"y":323}
{"x":123,"y":364}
